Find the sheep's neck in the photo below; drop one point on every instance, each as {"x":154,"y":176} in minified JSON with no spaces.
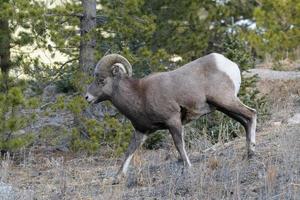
{"x":127,"y":97}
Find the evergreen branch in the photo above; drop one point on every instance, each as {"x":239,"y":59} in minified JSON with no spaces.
{"x":63,"y":15}
{"x":100,"y":19}
{"x":60,"y":70}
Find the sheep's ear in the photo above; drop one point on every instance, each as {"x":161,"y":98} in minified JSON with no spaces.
{"x":117,"y":69}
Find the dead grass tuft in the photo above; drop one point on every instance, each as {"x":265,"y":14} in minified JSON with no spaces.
{"x":286,"y":64}
{"x":213,"y":163}
{"x":272,"y":173}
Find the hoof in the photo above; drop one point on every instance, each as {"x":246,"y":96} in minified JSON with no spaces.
{"x":185,"y":164}
{"x":251,"y":151}
{"x":115,"y":181}
{"x":250,"y":154}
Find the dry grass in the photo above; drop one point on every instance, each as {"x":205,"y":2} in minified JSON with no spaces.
{"x":283,"y":97}
{"x":223,"y":173}
{"x":285,"y":64}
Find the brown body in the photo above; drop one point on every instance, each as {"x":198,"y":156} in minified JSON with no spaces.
{"x":152,"y":100}
{"x":168,"y":100}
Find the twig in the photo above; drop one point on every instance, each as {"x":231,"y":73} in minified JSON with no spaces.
{"x":50,"y":103}
{"x":46,"y":104}
{"x":107,"y":52}
{"x":61,"y":68}
{"x":212,"y":148}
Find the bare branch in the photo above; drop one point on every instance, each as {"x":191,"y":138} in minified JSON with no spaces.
{"x":60,"y":69}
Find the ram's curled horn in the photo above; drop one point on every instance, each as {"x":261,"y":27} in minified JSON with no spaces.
{"x":105,"y":64}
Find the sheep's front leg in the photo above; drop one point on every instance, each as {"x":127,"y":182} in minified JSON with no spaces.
{"x":136,"y":141}
{"x":177,"y":132}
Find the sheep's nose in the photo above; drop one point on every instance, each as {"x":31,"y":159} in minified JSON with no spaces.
{"x":86,"y":97}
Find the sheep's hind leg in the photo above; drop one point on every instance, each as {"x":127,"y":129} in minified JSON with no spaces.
{"x":177,"y":131}
{"x":247,"y":116}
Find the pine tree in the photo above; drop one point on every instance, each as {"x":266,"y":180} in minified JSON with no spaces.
{"x":14,"y":21}
{"x":277,"y":29}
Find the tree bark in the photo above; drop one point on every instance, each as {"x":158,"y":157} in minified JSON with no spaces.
{"x":5,"y":63}
{"x":88,"y":41}
{"x":4,"y":46}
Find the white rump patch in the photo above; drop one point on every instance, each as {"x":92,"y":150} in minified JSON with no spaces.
{"x":230,"y":68}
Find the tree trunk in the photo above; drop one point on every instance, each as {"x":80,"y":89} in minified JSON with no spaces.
{"x":5,"y":66}
{"x":87,"y":31}
{"x":4,"y":51}
{"x":4,"y":46}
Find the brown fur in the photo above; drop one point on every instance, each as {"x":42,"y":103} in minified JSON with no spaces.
{"x":168,"y":100}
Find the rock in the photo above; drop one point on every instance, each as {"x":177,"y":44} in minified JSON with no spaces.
{"x":268,"y":74}
{"x":19,"y":132}
{"x":6,"y":191}
{"x":295,"y":119}
{"x":49,"y":93}
{"x":276,"y":123}
{"x":29,"y":92}
{"x":97,"y":111}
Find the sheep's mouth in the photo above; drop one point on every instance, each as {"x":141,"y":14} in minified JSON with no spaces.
{"x":98,"y":100}
{"x":92,"y":101}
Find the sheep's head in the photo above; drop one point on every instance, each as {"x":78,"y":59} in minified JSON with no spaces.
{"x":109,"y":69}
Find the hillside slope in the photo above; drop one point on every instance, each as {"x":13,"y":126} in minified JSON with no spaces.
{"x":219,"y":172}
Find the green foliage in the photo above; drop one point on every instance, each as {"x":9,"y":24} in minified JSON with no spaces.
{"x":49,"y":136}
{"x":15,"y":97}
{"x":16,"y":143}
{"x":65,"y":84}
{"x":76,"y":105}
{"x":237,"y":50}
{"x":78,"y":143}
{"x":156,"y":140}
{"x":117,"y":134}
{"x":250,"y":95}
{"x":109,"y":132}
{"x":32,"y":103}
{"x":90,"y":134}
{"x":11,"y":121}
{"x":277,"y":31}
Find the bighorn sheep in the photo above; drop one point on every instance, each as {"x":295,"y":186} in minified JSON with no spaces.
{"x":168,"y":100}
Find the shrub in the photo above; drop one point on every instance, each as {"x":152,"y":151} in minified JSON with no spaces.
{"x":65,"y":84}
{"x":91,"y":134}
{"x":156,"y":140}
{"x":11,"y":120}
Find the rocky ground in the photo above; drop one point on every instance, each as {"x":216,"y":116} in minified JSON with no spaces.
{"x":219,"y":172}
